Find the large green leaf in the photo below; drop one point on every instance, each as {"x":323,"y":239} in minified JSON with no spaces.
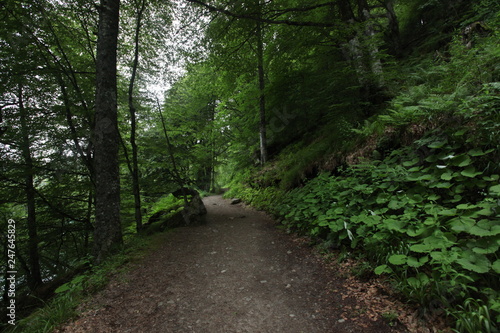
{"x":411,"y":162}
{"x":431,"y":243}
{"x":417,"y":262}
{"x":479,"y":152}
{"x":448,"y":175}
{"x":485,"y":245}
{"x":470,"y":172}
{"x":438,"y":144}
{"x":461,"y":224}
{"x":446,"y":256}
{"x":495,"y":190}
{"x":475,"y":262}
{"x":496,"y":266}
{"x":461,"y":160}
{"x":395,"y":225}
{"x":485,"y":228}
{"x":398,"y":259}
{"x":383,"y":269}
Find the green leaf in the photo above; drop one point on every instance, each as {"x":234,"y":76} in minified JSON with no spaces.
{"x":448,"y":212}
{"x":491,"y":178}
{"x":442,"y":185}
{"x":425,"y":177}
{"x":415,"y":262}
{"x":461,"y":160}
{"x":485,"y":228}
{"x":495,"y":190}
{"x":460,"y":132}
{"x":382,"y":198}
{"x":461,"y":224}
{"x":445,"y":257}
{"x":448,"y":175}
{"x":398,"y":259}
{"x":431,"y":159}
{"x":474,"y":262}
{"x":63,"y":288}
{"x":395,"y":204}
{"x":433,"y":197}
{"x":485,"y":245}
{"x":431,"y":243}
{"x":415,"y":169}
{"x":476,"y":152}
{"x":479,"y":152}
{"x":415,"y":198}
{"x":418,"y":281}
{"x":470,"y":172}
{"x":416,"y":231}
{"x":431,"y":221}
{"x":396,"y":225}
{"x":336,"y":226}
{"x":412,"y":162}
{"x":383,"y":269}
{"x":496,"y":266}
{"x":438,"y":144}
{"x":466,"y":206}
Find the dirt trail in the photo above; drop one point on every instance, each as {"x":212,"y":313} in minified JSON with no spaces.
{"x":235,"y":274}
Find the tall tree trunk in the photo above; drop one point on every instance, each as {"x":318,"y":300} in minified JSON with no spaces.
{"x":136,"y":190}
{"x":34,"y":275}
{"x":107,"y":232}
{"x":175,"y":171}
{"x":262,"y":96}
{"x":371,"y":45}
{"x":393,"y":27}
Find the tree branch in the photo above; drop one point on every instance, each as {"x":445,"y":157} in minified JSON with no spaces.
{"x":269,"y":21}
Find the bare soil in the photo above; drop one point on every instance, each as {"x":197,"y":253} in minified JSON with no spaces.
{"x":237,"y":273}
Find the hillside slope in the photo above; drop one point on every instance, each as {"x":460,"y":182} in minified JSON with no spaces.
{"x":414,"y":190}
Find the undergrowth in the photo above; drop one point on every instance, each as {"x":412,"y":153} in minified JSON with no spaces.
{"x":425,"y":212}
{"x":64,"y":305}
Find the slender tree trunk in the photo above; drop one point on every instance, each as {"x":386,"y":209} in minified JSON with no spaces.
{"x":175,"y":171}
{"x":371,"y":45}
{"x":34,"y":276}
{"x":136,"y":190}
{"x":107,"y":232}
{"x":262,"y":96}
{"x":88,"y":224}
{"x":87,"y":161}
{"x":393,"y":27}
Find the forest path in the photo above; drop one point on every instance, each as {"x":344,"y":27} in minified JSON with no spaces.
{"x":238,"y":273}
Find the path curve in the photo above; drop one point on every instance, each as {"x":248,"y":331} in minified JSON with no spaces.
{"x":238,"y":273}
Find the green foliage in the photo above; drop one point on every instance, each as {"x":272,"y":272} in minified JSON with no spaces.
{"x":249,"y":189}
{"x":475,"y":316}
{"x":63,"y":306}
{"x":165,"y":203}
{"x":428,"y":211}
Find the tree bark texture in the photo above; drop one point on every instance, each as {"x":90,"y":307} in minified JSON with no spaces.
{"x":107,"y":232}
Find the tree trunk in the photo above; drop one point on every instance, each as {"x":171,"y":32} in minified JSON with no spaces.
{"x":136,"y":190}
{"x":393,"y":27}
{"x":107,"y":233}
{"x":34,"y":274}
{"x":262,"y":96}
{"x":371,"y":46}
